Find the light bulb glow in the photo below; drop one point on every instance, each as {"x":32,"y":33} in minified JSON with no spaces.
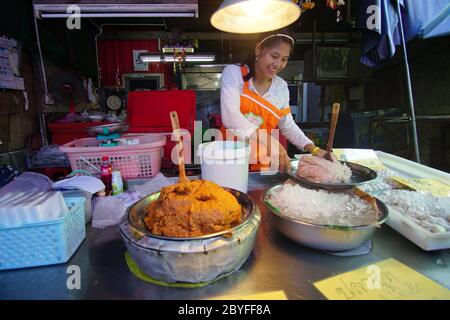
{"x":254,"y":16}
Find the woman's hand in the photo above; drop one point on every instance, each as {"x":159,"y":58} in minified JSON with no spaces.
{"x":320,"y":153}
{"x":323,"y":154}
{"x":284,"y":160}
{"x":275,"y":150}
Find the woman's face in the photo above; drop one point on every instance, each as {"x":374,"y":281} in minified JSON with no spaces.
{"x":271,"y":60}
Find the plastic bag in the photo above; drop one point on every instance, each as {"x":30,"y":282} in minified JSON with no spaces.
{"x":50,"y":156}
{"x":28,"y":182}
{"x":7,"y":174}
{"x":153,"y":185}
{"x":109,"y":211}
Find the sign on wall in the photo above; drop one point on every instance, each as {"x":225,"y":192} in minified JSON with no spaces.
{"x":9,"y":65}
{"x":139,"y":65}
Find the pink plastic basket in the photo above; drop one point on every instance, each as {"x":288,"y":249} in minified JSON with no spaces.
{"x":139,"y":160}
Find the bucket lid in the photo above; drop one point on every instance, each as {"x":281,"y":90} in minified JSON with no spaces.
{"x":224,"y":150}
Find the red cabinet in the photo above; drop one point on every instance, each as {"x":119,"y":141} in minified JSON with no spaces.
{"x":62,"y":133}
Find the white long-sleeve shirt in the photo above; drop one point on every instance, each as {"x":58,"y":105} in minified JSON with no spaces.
{"x":278,"y":95}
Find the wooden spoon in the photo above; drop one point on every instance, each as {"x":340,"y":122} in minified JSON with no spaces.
{"x":176,"y":131}
{"x":333,"y":123}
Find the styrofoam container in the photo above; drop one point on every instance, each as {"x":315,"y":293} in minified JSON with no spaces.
{"x":420,"y":236}
{"x":225,"y":163}
{"x":17,"y":208}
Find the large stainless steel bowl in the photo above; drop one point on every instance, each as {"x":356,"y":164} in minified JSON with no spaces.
{"x":323,"y":237}
{"x":191,"y":260}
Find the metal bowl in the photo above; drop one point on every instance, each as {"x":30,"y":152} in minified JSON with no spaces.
{"x":137,"y":213}
{"x":323,"y":237}
{"x":190,"y":260}
{"x":360,"y":175}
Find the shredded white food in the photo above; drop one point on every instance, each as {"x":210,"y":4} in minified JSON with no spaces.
{"x":323,"y":207}
{"x":383,"y":181}
{"x":343,"y":172}
{"x":424,"y":209}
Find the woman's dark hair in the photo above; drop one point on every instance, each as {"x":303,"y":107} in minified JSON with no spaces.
{"x":270,"y":40}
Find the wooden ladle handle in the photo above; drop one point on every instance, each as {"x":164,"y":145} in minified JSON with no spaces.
{"x":333,"y":123}
{"x":176,"y":131}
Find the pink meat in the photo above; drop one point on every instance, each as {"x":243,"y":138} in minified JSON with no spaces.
{"x":321,"y":170}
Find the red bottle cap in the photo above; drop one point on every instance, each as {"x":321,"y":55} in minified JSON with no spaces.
{"x":105,"y":158}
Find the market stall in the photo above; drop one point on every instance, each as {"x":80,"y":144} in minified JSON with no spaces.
{"x":131,"y":192}
{"x":276,"y":264}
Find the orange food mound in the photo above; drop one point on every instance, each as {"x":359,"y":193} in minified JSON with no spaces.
{"x":192,"y":209}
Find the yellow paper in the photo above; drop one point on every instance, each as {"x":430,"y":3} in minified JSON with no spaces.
{"x":364,"y":157}
{"x":385,"y":280}
{"x":434,"y":186}
{"x":274,"y":295}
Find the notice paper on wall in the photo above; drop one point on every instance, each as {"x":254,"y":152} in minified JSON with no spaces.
{"x":385,"y":280}
{"x":364,"y":157}
{"x":139,"y":65}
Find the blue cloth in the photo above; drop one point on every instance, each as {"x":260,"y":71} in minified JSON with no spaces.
{"x":439,"y":26}
{"x":379,"y":43}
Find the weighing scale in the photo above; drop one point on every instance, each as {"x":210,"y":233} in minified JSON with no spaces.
{"x":108,"y":134}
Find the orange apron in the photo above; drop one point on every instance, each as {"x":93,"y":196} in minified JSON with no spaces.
{"x":263,"y":114}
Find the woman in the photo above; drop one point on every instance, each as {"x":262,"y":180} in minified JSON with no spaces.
{"x":254,"y":97}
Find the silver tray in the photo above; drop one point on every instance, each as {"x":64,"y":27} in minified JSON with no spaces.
{"x":360,"y":175}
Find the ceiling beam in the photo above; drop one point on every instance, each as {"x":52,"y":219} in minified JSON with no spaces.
{"x":300,"y":37}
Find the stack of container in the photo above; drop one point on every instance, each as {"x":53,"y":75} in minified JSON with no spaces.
{"x":38,"y":229}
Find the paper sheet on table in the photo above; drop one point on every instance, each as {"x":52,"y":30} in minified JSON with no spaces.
{"x":385,"y":280}
{"x":86,"y":183}
{"x":436,"y":187}
{"x":364,"y":157}
{"x":273,"y":295}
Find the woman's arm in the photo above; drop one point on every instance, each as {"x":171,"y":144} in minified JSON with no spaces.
{"x":290,"y":129}
{"x":295,"y":135}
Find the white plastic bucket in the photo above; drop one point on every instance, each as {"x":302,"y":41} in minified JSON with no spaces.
{"x":225,"y":163}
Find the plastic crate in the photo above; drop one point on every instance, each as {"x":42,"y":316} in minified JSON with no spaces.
{"x":170,"y":142}
{"x":142,"y":160}
{"x":43,"y":243}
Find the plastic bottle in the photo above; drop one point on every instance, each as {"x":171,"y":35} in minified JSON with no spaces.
{"x":117,"y":183}
{"x":106,"y":174}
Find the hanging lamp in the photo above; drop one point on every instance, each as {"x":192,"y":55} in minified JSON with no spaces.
{"x":254,"y":16}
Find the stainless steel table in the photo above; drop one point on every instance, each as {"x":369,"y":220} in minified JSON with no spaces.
{"x":276,"y":264}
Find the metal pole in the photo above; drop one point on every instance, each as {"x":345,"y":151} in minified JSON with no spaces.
{"x":409,"y":86}
{"x":47,"y":98}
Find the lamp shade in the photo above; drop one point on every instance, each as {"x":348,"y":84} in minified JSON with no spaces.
{"x":254,"y":16}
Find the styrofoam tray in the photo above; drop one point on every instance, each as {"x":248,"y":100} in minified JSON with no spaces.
{"x":420,"y":236}
{"x":17,"y":208}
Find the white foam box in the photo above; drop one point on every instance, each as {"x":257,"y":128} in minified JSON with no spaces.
{"x":420,"y":236}
{"x":19,"y":208}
